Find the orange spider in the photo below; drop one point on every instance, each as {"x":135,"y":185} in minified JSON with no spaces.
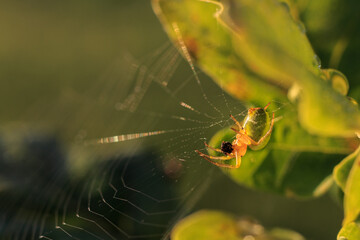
{"x":254,"y":125}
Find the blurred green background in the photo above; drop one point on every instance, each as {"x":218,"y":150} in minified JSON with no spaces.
{"x":59,"y":63}
{"x":48,"y":48}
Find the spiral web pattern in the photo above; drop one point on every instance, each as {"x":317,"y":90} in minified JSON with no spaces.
{"x":140,"y":185}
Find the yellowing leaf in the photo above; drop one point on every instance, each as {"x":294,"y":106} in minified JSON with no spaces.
{"x":257,"y":51}
{"x":350,"y":231}
{"x":216,"y":225}
{"x":352,"y":193}
{"x":342,"y":170}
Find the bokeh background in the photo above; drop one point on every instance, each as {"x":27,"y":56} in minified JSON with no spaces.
{"x":67,"y":67}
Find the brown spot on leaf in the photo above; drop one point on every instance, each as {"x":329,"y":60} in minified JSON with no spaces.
{"x":352,"y":143}
{"x":238,"y":88}
{"x":192,"y":47}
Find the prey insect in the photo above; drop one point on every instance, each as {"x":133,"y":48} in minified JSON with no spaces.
{"x":254,"y":133}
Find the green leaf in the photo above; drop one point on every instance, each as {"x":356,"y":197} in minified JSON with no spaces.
{"x":216,"y":225}
{"x":350,"y":231}
{"x":352,"y":193}
{"x":210,"y":44}
{"x":342,"y":170}
{"x":258,"y":52}
{"x":209,"y":225}
{"x":294,"y":163}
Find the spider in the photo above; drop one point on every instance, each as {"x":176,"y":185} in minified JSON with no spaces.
{"x":255,"y":123}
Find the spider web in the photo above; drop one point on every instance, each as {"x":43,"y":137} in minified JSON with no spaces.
{"x":139,"y":187}
{"x":157,"y":110}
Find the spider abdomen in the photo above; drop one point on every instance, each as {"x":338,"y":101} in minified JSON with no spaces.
{"x":256,"y":124}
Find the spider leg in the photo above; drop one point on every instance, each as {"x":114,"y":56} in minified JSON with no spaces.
{"x":236,"y":121}
{"x":222,"y":158}
{"x":208,"y":158}
{"x":238,"y":160}
{"x":267,"y":106}
{"x":237,"y":131}
{"x":212,"y":148}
